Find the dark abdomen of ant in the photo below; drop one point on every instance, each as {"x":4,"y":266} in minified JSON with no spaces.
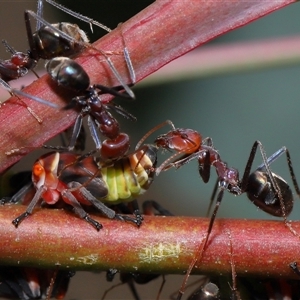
{"x":261,"y":193}
{"x":68,"y":73}
{"x":49,"y":44}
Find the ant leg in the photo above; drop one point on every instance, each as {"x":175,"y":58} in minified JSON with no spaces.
{"x":78,"y":16}
{"x":127,"y":58}
{"x":212,"y":198}
{"x":235,"y":292}
{"x":18,"y":196}
{"x":30,"y":207}
{"x":80,"y":141}
{"x":113,"y":91}
{"x":148,"y":206}
{"x":202,"y":247}
{"x":13,"y":91}
{"x":101,"y":206}
{"x":70,"y":198}
{"x":121,"y":111}
{"x":94,"y":132}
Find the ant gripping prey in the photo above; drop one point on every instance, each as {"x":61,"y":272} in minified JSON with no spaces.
{"x":84,"y":179}
{"x":265,"y":189}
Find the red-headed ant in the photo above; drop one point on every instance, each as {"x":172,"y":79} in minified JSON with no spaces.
{"x":265,"y":189}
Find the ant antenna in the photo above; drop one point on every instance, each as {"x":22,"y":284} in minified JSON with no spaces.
{"x":88,"y":46}
{"x":91,"y":22}
{"x":18,"y":92}
{"x":142,"y":140}
{"x":78,"y":15}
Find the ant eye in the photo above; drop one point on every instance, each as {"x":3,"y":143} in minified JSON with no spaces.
{"x":37,"y":170}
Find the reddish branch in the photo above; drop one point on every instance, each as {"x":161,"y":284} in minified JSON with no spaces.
{"x":160,"y":245}
{"x":162,"y":32}
{"x":156,"y":36}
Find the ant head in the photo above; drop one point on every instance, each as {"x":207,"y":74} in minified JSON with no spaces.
{"x":229,"y":180}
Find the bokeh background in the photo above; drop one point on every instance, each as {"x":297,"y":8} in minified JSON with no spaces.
{"x":233,"y":110}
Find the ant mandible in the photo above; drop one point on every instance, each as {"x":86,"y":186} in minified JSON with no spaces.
{"x":265,"y":189}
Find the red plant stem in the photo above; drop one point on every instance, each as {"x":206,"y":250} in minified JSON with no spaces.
{"x":161,"y":245}
{"x":162,"y":32}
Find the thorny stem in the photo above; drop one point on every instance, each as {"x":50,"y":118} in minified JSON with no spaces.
{"x":161,"y":244}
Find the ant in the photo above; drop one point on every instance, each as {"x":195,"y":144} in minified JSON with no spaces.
{"x":69,"y":74}
{"x":265,"y":189}
{"x":50,"y":41}
{"x":150,"y":208}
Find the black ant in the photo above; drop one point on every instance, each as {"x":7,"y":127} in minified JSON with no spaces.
{"x":69,"y":74}
{"x":265,"y":189}
{"x":50,"y":41}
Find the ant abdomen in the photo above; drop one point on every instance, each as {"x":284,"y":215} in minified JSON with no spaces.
{"x":68,"y":73}
{"x":48,"y":44}
{"x":261,"y":193}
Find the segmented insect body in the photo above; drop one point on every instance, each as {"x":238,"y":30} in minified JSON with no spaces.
{"x":69,"y":74}
{"x":65,"y":176}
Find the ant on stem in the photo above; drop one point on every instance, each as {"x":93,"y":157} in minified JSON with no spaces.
{"x":265,"y":189}
{"x":69,"y":74}
{"x":50,"y":41}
